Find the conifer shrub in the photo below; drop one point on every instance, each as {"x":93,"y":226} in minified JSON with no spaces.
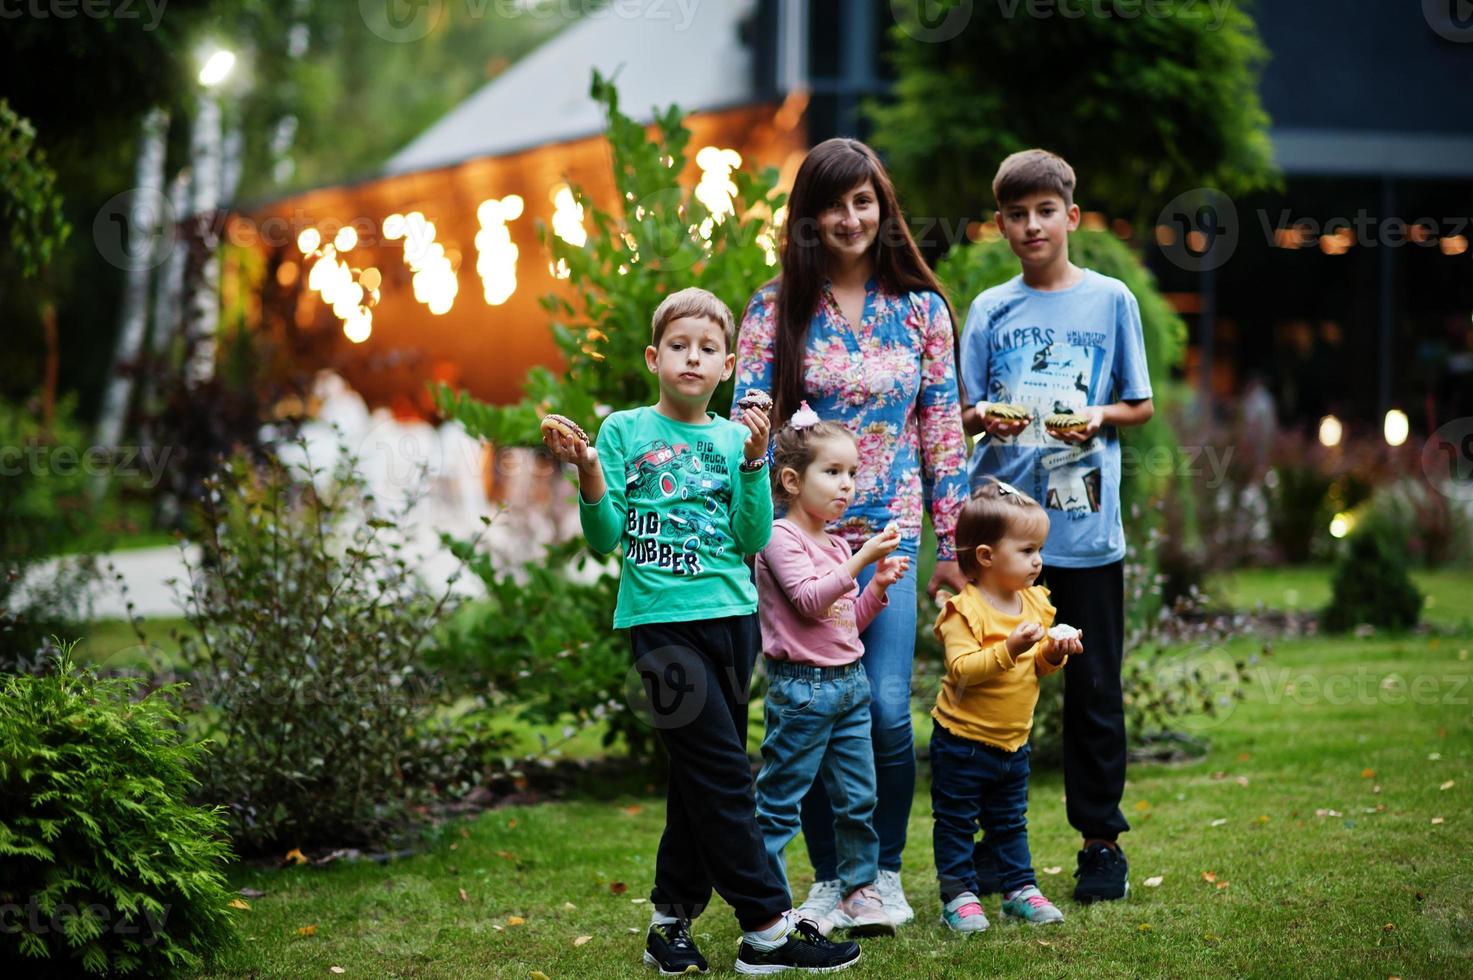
{"x":105,"y":867}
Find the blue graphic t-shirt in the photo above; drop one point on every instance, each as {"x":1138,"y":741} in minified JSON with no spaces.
{"x":1056,"y":352}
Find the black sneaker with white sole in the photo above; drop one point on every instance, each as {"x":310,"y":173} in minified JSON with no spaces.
{"x":1102,"y":875}
{"x":805,"y":949}
{"x":671,"y":950}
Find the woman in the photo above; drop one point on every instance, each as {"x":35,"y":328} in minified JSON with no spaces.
{"x":858,"y":327}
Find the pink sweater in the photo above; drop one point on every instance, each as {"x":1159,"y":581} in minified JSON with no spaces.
{"x":807,"y":599}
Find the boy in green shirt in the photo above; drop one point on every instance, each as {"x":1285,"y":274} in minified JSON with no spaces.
{"x":687,"y":495}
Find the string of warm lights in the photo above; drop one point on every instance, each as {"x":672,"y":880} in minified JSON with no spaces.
{"x":352,"y":293}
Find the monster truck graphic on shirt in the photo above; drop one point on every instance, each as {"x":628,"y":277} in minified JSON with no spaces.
{"x":690,"y":528}
{"x":656,"y":472}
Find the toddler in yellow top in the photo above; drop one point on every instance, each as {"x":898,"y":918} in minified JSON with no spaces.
{"x":1000,"y":637}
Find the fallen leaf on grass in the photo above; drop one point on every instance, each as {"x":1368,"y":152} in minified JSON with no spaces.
{"x":336,"y":969}
{"x":538,"y":975}
{"x":1376,"y":789}
{"x":506,"y":855}
{"x":1144,"y":927}
{"x":498,"y":928}
{"x":1153,"y":882}
{"x":617,"y":887}
{"x":295,"y":856}
{"x":307,"y":931}
{"x":1211,"y":939}
{"x":515,"y":920}
{"x":1209,"y":876}
{"x":633,"y":930}
{"x":240,"y":903}
{"x":511,"y":824}
{"x":1322,"y":812}
{"x":1044,"y":942}
{"x":463,"y":897}
{"x":1241,"y":780}
{"x":1368,"y":774}
{"x":1434,"y":756}
{"x":1222,"y":884}
{"x":1436,"y":821}
{"x":1244,"y":757}
{"x":1389,"y":927}
{"x":1143,"y":805}
{"x":581,"y":940}
{"x":252,"y":893}
{"x":632,"y":809}
{"x":1219,"y":821}
{"x":639,"y":901}
{"x":1263,"y":818}
{"x":1448,"y":785}
{"x":1052,"y":871}
{"x":569,"y":907}
{"x":1219,"y":776}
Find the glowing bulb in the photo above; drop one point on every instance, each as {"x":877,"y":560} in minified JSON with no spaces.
{"x":346,"y":238}
{"x":308,"y":240}
{"x":394,"y":226}
{"x":1330,"y":431}
{"x":1341,"y":525}
{"x":358,"y":326}
{"x":1397,"y":427}
{"x":216,"y":68}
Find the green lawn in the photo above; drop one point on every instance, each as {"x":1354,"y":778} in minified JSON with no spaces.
{"x":1306,"y":588}
{"x":1320,"y":811}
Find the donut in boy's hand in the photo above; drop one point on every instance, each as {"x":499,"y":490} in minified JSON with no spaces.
{"x":563,"y":425}
{"x":1061,"y":422}
{"x":755,"y":398}
{"x":1006,"y":412}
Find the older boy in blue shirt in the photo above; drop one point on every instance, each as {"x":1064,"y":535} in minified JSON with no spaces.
{"x":1060,"y":339}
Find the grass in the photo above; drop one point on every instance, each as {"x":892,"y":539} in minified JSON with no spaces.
{"x":1306,"y":588}
{"x":1314,"y":810}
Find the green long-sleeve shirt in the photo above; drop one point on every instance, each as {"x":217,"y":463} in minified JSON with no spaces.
{"x":685,"y":514}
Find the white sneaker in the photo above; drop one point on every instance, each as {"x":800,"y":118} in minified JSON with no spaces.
{"x":893,"y":895}
{"x":823,"y":899}
{"x":863,"y":914}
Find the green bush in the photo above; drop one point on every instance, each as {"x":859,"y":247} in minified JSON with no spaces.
{"x":308,"y":626}
{"x":542,"y":647}
{"x":1371,"y":585}
{"x":43,"y":507}
{"x":104,"y":866}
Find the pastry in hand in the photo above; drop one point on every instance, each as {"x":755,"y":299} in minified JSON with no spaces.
{"x":755,"y":398}
{"x":1007,"y":412}
{"x":564,"y":425}
{"x":1057,"y":423}
{"x":1062,"y":631}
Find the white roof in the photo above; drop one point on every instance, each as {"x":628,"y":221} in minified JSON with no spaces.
{"x":687,"y":52}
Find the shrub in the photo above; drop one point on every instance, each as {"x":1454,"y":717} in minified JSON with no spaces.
{"x":104,"y":866}
{"x":308,"y":626}
{"x":43,"y":507}
{"x":1371,"y":585}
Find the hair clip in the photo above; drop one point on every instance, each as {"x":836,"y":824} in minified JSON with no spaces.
{"x":1003,"y":489}
{"x":803,"y":418}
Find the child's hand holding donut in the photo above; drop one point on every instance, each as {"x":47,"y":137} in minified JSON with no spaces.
{"x":568,"y":443}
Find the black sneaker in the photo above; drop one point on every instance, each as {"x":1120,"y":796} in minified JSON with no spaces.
{"x":670,"y":949}
{"x":1102,"y":875}
{"x":989,"y":882}
{"x":804,"y":949}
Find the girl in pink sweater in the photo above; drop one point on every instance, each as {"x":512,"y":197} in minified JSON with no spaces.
{"x":817,"y":705}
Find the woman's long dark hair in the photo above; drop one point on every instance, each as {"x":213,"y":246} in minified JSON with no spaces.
{"x":832,"y":169}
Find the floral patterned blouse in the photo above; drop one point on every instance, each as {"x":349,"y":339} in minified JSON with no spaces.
{"x":893,"y":383}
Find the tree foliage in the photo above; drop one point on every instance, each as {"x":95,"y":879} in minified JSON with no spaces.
{"x":1144,"y":107}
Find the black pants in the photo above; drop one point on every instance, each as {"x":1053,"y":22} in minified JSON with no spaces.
{"x":696,"y":677}
{"x":1093,"y":600}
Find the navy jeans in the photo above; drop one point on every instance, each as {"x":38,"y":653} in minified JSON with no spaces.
{"x":889,"y":653}
{"x":818,"y":730}
{"x":975,"y":786}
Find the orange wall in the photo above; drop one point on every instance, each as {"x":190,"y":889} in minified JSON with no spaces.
{"x":487,"y":349}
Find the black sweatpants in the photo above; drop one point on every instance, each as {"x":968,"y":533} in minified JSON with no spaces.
{"x":696,"y":677}
{"x":1093,"y":600}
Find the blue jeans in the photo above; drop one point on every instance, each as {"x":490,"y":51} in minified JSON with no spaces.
{"x":889,"y":652}
{"x":818,"y":732}
{"x":978,"y":786}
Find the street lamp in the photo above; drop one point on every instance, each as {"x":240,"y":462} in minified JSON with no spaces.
{"x":217,"y":68}
{"x":205,"y":152}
